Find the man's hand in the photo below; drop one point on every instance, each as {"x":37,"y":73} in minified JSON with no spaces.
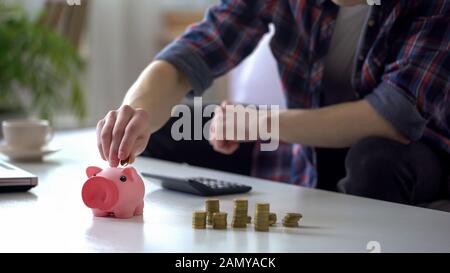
{"x":336,"y":126}
{"x":220,"y":144}
{"x":244,"y":121}
{"x":123,"y":134}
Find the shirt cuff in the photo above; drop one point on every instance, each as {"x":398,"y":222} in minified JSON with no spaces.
{"x":392,"y":104}
{"x":188,"y":61}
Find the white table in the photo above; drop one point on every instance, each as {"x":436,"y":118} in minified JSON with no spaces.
{"x":53,"y":218}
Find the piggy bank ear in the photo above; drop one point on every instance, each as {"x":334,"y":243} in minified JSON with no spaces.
{"x":92,"y":170}
{"x":130,"y":172}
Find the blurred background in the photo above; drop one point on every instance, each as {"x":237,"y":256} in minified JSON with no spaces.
{"x":72,"y":64}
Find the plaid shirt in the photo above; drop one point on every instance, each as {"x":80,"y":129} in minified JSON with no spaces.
{"x":403,"y":56}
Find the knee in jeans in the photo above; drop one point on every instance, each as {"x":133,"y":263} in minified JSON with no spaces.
{"x":368,"y":162}
{"x":373,"y":153}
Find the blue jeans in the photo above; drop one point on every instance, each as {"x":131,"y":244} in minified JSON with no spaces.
{"x":383,"y":169}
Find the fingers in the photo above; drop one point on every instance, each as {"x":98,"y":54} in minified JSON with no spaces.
{"x":225,"y":146}
{"x":224,"y":103}
{"x":139,"y":146}
{"x":131,"y":159}
{"x":217,"y":128}
{"x":135,"y":137}
{"x":125,"y":113}
{"x":123,"y":134}
{"x":106,"y":133}
{"x":230,"y":147}
{"x":99,"y":140}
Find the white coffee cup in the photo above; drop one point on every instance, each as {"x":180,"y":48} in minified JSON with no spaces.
{"x":26,"y":134}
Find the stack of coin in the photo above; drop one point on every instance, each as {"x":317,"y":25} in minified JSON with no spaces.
{"x":291,"y":219}
{"x":240,"y":213}
{"x":261,"y":220}
{"x":199,"y":219}
{"x":220,"y":220}
{"x":272,"y":218}
{"x":211,"y":206}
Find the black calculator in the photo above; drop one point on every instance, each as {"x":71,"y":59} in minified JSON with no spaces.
{"x":198,"y":185}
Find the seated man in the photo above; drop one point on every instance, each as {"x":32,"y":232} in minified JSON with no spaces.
{"x":367,"y":92}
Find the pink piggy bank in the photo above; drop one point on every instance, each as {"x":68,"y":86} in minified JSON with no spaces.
{"x":117,"y":192}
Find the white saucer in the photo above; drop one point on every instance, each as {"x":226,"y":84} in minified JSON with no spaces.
{"x":27,"y":155}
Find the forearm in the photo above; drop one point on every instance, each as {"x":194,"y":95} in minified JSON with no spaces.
{"x":159,"y":87}
{"x":335,"y":126}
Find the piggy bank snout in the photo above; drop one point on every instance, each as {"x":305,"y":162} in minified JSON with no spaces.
{"x":99,"y":193}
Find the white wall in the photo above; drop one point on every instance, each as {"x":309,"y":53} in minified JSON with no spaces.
{"x":121,"y":43}
{"x":256,"y":79}
{"x":123,"y":39}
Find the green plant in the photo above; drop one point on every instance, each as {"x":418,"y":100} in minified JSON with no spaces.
{"x":39,"y":69}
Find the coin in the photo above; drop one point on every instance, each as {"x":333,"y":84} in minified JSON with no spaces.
{"x":261,"y":219}
{"x":199,"y":219}
{"x":211,"y":206}
{"x":291,"y":219}
{"x":272,"y":218}
{"x":124,"y":162}
{"x":219,"y":220}
{"x":240,"y":212}
{"x":293,"y":214}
